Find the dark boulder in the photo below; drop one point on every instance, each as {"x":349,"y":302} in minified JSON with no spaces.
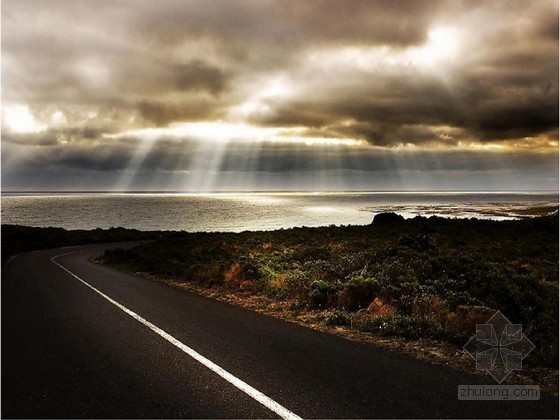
{"x":388,"y":218}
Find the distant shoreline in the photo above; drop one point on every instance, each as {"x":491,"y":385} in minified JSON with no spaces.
{"x":523,"y":192}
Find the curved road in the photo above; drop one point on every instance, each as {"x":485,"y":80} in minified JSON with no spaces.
{"x":71,"y":349}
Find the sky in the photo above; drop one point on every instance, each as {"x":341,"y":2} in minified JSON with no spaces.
{"x":206,"y":95}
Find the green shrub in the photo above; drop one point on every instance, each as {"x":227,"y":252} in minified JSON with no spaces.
{"x":337,"y":318}
{"x":322,"y":294}
{"x":419,"y":242}
{"x":358,"y":292}
{"x":297,"y":282}
{"x":404,"y":326}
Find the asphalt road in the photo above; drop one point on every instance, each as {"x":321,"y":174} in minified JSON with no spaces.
{"x":68,"y":351}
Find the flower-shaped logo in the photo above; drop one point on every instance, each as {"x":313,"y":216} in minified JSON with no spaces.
{"x":499,"y":347}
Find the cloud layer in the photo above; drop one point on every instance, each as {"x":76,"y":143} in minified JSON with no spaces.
{"x":440,"y":78}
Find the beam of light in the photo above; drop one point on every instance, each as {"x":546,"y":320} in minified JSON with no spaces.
{"x":141,"y":152}
{"x":204,"y":169}
{"x":225,"y":132}
{"x":428,"y":170}
{"x":250,"y":164}
{"x":414,"y":169}
{"x":212,"y":142}
{"x":13,"y":155}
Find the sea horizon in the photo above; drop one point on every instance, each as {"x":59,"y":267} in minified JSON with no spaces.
{"x":347,"y":191}
{"x":229,"y":211}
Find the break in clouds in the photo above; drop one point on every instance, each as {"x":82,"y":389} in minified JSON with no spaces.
{"x":279,"y":94}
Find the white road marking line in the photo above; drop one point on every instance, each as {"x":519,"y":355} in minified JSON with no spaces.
{"x":235,"y":381}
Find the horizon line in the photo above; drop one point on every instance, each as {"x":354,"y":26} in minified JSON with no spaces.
{"x":270,"y":191}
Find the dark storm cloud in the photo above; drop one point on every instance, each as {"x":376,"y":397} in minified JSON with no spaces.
{"x":289,"y":23}
{"x":162,"y":113}
{"x":504,"y":85}
{"x":495,"y":99}
{"x":199,"y":75}
{"x":54,"y":136}
{"x":388,"y":22}
{"x":374,"y":71}
{"x":76,"y":149}
{"x":140,"y":56}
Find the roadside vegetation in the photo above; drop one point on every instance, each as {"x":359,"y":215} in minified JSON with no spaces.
{"x":430,"y":278}
{"x":18,"y":239}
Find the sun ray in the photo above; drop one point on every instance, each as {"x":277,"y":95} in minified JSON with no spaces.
{"x":207,"y":159}
{"x":141,"y":152}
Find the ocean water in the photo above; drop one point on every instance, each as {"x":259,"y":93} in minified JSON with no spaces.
{"x":234,"y":212}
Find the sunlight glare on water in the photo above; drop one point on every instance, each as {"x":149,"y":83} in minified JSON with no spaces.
{"x":233,"y":212}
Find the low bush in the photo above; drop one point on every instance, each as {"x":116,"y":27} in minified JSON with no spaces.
{"x":394,"y":272}
{"x":358,"y":292}
{"x":418,"y":242}
{"x":337,"y":318}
